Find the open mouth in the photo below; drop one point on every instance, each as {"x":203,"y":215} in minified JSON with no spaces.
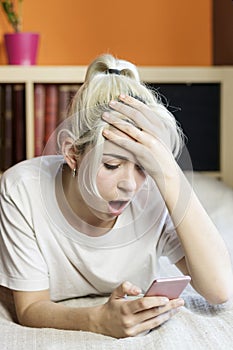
{"x":116,"y":207}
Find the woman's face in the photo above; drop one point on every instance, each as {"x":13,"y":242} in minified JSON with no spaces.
{"x":119,"y":178}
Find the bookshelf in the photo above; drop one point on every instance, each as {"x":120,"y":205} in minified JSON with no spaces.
{"x":31,"y":75}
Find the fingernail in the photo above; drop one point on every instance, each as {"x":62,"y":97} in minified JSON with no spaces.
{"x":165,"y":300}
{"x":105,"y":116}
{"x":105,"y":132}
{"x":180,"y":302}
{"x":112,"y":103}
{"x":123,"y":96}
{"x":136,"y":290}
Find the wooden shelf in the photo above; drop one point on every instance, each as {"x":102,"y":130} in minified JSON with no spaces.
{"x":29,"y":75}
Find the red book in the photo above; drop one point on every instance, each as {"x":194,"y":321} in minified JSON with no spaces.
{"x":19,"y":134}
{"x":39,"y":118}
{"x":2,"y":126}
{"x":63,"y":102}
{"x":51,"y":117}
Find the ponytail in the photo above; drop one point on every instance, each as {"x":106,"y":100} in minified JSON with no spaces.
{"x":107,"y":64}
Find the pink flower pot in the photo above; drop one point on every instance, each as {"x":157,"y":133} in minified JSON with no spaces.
{"x":22,"y":48}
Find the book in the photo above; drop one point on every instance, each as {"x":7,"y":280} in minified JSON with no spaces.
{"x":73,"y":90}
{"x":19,"y":132}
{"x":66,"y":94}
{"x":51,"y":118}
{"x":63,"y":102}
{"x":2,"y":122}
{"x":7,"y":100}
{"x":39,"y":118}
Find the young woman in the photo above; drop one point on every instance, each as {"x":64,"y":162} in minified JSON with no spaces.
{"x":96,"y":219}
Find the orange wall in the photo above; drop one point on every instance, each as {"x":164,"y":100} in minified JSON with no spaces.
{"x":149,"y":32}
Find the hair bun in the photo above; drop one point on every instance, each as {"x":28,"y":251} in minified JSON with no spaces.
{"x":102,"y":64}
{"x":113,"y":71}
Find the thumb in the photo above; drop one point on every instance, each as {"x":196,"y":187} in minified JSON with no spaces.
{"x":126,"y":288}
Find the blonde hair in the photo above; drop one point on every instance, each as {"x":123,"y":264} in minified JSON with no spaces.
{"x":93,"y":97}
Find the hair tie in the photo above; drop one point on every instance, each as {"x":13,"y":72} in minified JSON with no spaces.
{"x":113,"y":71}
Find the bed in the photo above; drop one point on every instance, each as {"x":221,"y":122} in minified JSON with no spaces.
{"x":198,"y":325}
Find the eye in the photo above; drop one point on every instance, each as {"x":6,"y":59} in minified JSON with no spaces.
{"x":111,"y":166}
{"x":139,"y":168}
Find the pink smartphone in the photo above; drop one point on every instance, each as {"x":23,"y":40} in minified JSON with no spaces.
{"x":170,"y":287}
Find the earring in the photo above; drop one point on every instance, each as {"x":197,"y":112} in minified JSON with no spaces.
{"x":74,"y":172}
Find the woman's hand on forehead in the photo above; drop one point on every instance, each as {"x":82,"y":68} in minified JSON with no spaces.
{"x":147,"y":141}
{"x":142,"y":116}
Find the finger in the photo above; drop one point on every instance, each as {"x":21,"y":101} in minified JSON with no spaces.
{"x":126,"y":288}
{"x":157,"y":321}
{"x":168,"y":306}
{"x":134,"y":102}
{"x":132,"y":130}
{"x":141,"y":113}
{"x":124,"y":126}
{"x":159,"y":314}
{"x":153,"y":115}
{"x":127,"y":144}
{"x":149,"y":303}
{"x":138,"y":148}
{"x":149,"y":320}
{"x":148,"y":117}
{"x":138,"y":116}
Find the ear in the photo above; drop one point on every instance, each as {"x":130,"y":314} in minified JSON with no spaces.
{"x":68,"y":151}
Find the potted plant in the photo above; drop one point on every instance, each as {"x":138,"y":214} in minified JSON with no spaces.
{"x":21,"y":47}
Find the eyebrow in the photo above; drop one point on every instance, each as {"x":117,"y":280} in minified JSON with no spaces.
{"x":115,"y":156}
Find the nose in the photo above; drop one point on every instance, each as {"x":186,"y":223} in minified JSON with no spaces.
{"x":128,"y":182}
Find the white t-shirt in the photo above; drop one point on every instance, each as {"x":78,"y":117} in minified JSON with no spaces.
{"x":40,"y":250}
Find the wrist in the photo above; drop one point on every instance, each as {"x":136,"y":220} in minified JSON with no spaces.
{"x":176,"y":192}
{"x":96,"y":319}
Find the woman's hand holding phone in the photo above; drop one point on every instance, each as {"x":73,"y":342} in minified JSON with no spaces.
{"x":122,"y":317}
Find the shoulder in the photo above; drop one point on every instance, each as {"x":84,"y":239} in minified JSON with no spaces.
{"x":28,"y":173}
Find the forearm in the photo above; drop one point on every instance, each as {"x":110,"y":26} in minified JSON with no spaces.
{"x":206,"y":255}
{"x":47,"y":314}
{"x":116,"y":318}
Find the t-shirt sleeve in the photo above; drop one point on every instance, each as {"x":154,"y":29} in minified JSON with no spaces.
{"x":169,"y":244}
{"x":22,"y":266}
